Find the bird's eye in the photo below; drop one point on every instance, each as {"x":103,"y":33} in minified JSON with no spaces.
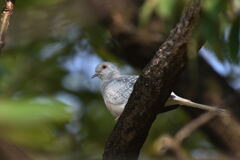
{"x":104,"y":67}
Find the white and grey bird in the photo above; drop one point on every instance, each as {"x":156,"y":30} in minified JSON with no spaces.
{"x":116,"y":89}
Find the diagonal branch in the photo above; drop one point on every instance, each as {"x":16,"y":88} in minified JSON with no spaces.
{"x":169,"y":143}
{"x":193,"y":125}
{"x":157,"y":80}
{"x":5,"y":17}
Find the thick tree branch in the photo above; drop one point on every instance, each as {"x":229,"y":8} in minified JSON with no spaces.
{"x":5,"y":17}
{"x":134,"y":45}
{"x":156,"y":81}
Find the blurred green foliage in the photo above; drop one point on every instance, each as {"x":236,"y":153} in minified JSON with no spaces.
{"x":217,"y":17}
{"x":233,"y":40}
{"x":32,"y":122}
{"x":50,"y":43}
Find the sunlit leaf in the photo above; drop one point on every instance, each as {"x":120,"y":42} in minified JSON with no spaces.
{"x":214,"y":7}
{"x":32,"y":112}
{"x":147,"y":10}
{"x":165,"y":8}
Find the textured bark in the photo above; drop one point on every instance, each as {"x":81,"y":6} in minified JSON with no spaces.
{"x":156,"y":81}
{"x":133,"y":46}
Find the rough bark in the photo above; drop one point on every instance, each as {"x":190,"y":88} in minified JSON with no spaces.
{"x":133,"y":46}
{"x":156,"y":81}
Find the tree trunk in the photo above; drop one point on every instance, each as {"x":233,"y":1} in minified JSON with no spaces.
{"x":156,"y":81}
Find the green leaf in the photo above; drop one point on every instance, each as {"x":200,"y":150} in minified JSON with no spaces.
{"x":214,"y":7}
{"x":33,"y":122}
{"x":233,"y":40}
{"x":32,"y":112}
{"x":147,"y":10}
{"x":165,"y":8}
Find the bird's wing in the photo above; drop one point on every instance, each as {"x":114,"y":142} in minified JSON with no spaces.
{"x":119,"y":89}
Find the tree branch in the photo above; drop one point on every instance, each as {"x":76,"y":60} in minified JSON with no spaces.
{"x":168,"y":143}
{"x":193,"y":125}
{"x":5,"y":17}
{"x":142,"y":43}
{"x":212,"y":88}
{"x":157,"y":80}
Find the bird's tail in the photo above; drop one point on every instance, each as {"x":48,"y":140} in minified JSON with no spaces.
{"x":174,"y":99}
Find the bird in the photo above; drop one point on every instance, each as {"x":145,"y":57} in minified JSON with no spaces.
{"x":116,"y":89}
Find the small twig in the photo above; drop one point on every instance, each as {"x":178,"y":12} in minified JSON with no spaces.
{"x":5,"y":17}
{"x":193,"y":125}
{"x":173,"y":144}
{"x":168,"y":143}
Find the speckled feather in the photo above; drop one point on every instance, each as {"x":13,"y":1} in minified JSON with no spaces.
{"x":117,"y":88}
{"x":117,"y":91}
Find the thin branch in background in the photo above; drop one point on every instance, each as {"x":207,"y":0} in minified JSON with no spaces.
{"x":168,"y":143}
{"x":173,"y":144}
{"x":193,"y":125}
{"x":5,"y":17}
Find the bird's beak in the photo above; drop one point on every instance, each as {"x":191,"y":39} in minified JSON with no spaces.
{"x":95,"y":75}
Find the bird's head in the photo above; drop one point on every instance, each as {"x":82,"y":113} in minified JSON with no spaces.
{"x":106,"y":71}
